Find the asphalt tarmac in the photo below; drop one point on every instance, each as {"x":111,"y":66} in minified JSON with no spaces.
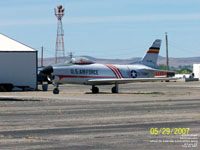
{"x":78,"y":120}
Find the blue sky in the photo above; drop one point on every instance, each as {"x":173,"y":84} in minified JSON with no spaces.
{"x":105,"y":28}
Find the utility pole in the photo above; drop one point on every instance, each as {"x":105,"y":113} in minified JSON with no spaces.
{"x":42,"y":56}
{"x":167,"y":58}
{"x":71,"y":55}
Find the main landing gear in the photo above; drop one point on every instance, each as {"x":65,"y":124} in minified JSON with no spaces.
{"x":95,"y":89}
{"x":56,"y":90}
{"x":115,"y":89}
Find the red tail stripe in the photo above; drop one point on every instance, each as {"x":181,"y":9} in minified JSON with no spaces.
{"x":153,"y":51}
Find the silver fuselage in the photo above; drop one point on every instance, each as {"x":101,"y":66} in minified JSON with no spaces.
{"x":80,"y":74}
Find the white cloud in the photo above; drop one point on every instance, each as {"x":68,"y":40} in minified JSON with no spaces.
{"x":135,"y":18}
{"x":27,"y":22}
{"x":106,"y":19}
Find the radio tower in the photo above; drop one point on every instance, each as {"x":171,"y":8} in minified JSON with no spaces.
{"x":60,"y":51}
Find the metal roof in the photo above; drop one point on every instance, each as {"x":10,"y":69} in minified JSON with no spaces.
{"x":9,"y":44}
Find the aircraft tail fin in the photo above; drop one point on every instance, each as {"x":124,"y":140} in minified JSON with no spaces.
{"x":151,"y":56}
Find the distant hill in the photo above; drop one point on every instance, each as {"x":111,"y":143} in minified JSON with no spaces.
{"x":175,"y":62}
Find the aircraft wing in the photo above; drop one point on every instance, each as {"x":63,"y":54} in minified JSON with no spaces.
{"x":126,"y":80}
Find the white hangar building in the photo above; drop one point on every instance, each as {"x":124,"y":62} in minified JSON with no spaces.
{"x":18,"y":65}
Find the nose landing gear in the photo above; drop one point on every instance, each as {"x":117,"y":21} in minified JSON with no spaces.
{"x":56,"y":90}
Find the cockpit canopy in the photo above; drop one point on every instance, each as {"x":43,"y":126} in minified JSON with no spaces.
{"x":76,"y":61}
{"x":81,"y":61}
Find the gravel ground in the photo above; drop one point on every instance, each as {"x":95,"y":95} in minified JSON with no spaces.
{"x":78,"y":120}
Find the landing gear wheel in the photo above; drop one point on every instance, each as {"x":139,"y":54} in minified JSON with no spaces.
{"x":2,"y":89}
{"x":95,"y":90}
{"x":56,"y":91}
{"x":114,"y":90}
{"x":9,"y":88}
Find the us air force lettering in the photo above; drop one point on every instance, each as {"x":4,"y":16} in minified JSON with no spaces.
{"x":84,"y":71}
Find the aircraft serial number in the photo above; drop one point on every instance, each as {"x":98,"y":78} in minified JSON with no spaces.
{"x":84,"y":71}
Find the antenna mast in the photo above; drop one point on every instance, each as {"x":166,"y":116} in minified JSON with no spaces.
{"x":60,"y":51}
{"x":167,"y":58}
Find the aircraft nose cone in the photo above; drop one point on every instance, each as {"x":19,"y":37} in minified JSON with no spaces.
{"x":47,"y":70}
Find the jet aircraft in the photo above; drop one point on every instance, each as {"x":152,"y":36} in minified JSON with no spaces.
{"x":83,"y":71}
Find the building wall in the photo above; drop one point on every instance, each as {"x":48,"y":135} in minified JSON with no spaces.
{"x":19,"y":68}
{"x":196,"y":70}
